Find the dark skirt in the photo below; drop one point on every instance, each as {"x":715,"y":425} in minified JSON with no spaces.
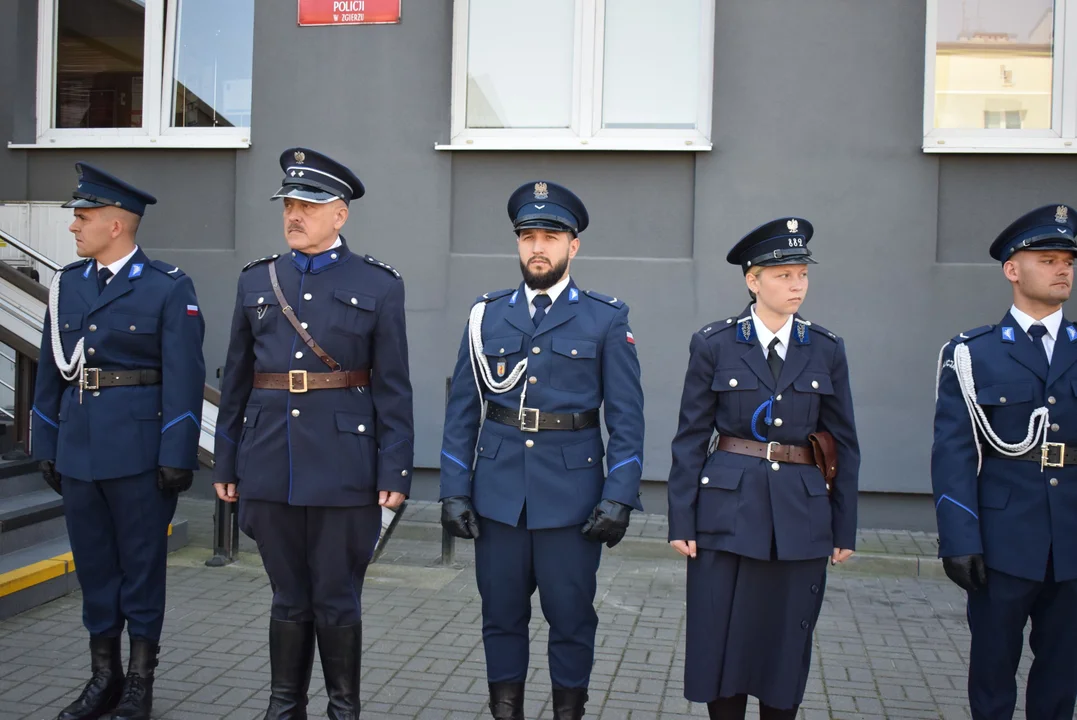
{"x":749,"y":626}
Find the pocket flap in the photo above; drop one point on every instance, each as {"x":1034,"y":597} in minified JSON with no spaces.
{"x":354,"y":299}
{"x":262,"y":297}
{"x":813,"y":482}
{"x":724,"y":478}
{"x":488,"y":446}
{"x":994,"y":496}
{"x":355,"y":424}
{"x":250,"y":415}
{"x":70,"y":321}
{"x":814,"y":383}
{"x":584,"y":454}
{"x":578,"y":349}
{"x":734,"y":379}
{"x":501,"y":346}
{"x":135,"y":324}
{"x":1004,"y":394}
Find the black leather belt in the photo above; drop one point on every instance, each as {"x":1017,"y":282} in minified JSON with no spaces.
{"x":533,"y":420}
{"x":96,"y":378}
{"x":1054,"y":455}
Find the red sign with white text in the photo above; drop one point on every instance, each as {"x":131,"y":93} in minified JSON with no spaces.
{"x":348,"y":12}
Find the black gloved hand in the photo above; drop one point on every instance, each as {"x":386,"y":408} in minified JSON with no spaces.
{"x":458,"y":516}
{"x":607,"y":523}
{"x":175,"y":479}
{"x":48,"y":471}
{"x":967,"y":571}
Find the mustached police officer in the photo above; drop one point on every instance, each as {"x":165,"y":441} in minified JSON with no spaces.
{"x":314,"y":432}
{"x":521,"y":462}
{"x":117,"y":416}
{"x":1004,"y":475}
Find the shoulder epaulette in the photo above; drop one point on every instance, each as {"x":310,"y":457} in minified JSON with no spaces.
{"x":170,"y":270}
{"x":716,"y":327}
{"x":259,"y":261}
{"x":382,"y":265}
{"x":77,"y":264}
{"x":975,"y":332}
{"x":817,"y":328}
{"x":495,"y":295}
{"x":604,"y":298}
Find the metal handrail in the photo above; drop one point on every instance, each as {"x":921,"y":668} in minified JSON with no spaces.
{"x":7,"y":357}
{"x":27,"y":250}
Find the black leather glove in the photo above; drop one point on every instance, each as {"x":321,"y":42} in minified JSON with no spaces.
{"x":175,"y":479}
{"x":967,"y":571}
{"x":458,"y":516}
{"x":607,"y":523}
{"x":48,"y":471}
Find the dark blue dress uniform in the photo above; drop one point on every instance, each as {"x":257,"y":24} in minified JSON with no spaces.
{"x":535,"y":476}
{"x":1007,"y":505}
{"x":310,"y":459}
{"x":120,"y":428}
{"x":764,"y":524}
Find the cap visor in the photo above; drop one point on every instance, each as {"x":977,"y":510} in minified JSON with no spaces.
{"x":795,"y":260}
{"x":305,"y":194}
{"x":83,"y":203}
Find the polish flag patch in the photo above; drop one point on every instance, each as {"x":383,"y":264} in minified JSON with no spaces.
{"x":192,"y":309}
{"x":630,"y":338}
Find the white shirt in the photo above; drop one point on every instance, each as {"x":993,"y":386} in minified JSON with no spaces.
{"x":554,"y":292}
{"x":118,"y":265}
{"x":765,"y":335}
{"x":1052,"y":322}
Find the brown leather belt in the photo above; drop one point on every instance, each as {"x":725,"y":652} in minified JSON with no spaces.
{"x":300,"y":381}
{"x":771,"y":452}
{"x":534,"y":420}
{"x":97,"y":378}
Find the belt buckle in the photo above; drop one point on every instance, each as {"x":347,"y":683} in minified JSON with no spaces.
{"x":770,"y":447}
{"x":85,"y":383}
{"x":1045,"y":455}
{"x":525,"y":414}
{"x":297,"y":381}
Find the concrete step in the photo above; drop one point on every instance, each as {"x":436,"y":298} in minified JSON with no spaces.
{"x":29,"y":519}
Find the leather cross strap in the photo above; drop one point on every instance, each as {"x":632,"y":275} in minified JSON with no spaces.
{"x":300,"y":381}
{"x":773,"y":452}
{"x":290,"y":314}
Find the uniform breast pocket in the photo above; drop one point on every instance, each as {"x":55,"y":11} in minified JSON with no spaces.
{"x":352,"y":313}
{"x":358,"y":450}
{"x":575,"y":365}
{"x":262,"y":310}
{"x":1005,"y":394}
{"x":736,"y":388}
{"x":499,"y":352}
{"x":133,"y":330}
{"x":70,"y":330}
{"x":809,"y":390}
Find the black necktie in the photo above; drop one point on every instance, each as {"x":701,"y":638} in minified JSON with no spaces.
{"x":102,"y":279}
{"x":774,"y":360}
{"x":541,"y":302}
{"x":1037,"y":332}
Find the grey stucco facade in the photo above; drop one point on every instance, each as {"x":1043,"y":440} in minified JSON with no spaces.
{"x":818,"y":112}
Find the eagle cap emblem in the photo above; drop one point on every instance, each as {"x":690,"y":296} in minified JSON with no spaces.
{"x":541,"y":191}
{"x":793,"y":225}
{"x":1062,"y":214}
{"x":300,"y":156}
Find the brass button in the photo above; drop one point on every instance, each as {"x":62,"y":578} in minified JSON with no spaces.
{"x":307,"y":296}
{"x":67,"y":326}
{"x":1054,"y":482}
{"x":815,"y":384}
{"x":1051,"y":400}
{"x":530,"y":443}
{"x":299,"y":355}
{"x":704,"y":481}
{"x":590,"y":460}
{"x":501,"y":351}
{"x":575,"y":352}
{"x":362,"y":428}
{"x":779,"y":398}
{"x":1002,"y":400}
{"x":532,"y":379}
{"x":133,"y":328}
{"x":303,"y":325}
{"x":1054,"y":427}
{"x":93,"y":328}
{"x":535,"y":350}
{"x":732,"y":382}
{"x":91,"y":351}
{"x":354,"y":301}
{"x":775,"y":466}
{"x":261,"y":300}
{"x":777,"y":422}
{"x":403,"y":473}
{"x":295,"y":413}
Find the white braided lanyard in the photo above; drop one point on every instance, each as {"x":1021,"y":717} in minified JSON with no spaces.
{"x":72,"y":369}
{"x":479,"y":366}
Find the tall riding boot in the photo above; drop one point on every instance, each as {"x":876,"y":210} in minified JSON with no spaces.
{"x":103,"y":691}
{"x":291,"y":657}
{"x":766,"y":712}
{"x":507,"y":700}
{"x":728,"y":708}
{"x":137,"y":700}
{"x":340,"y":648}
{"x":568,"y":703}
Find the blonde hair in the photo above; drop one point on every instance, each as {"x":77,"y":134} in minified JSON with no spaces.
{"x":756,"y":270}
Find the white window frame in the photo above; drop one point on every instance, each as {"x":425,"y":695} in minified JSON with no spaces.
{"x":585,"y":131}
{"x":156,"y":130}
{"x":1061,"y":138}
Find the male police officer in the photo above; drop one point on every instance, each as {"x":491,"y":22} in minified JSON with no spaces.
{"x":117,"y":415}
{"x":1003,"y":476}
{"x":315,"y":431}
{"x":536,"y":363}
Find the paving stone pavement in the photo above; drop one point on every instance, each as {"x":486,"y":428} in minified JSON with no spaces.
{"x":885,"y":647}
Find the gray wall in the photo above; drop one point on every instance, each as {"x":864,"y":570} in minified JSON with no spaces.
{"x":817,"y":112}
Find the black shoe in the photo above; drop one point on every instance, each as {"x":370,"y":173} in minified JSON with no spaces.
{"x":103,"y":691}
{"x":291,"y":657}
{"x":137,"y":700}
{"x":340,"y":647}
{"x":507,"y":700}
{"x":568,"y":703}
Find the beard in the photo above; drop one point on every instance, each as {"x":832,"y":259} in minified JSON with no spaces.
{"x":544,"y":280}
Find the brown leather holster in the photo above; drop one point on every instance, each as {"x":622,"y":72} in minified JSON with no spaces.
{"x":825,"y":450}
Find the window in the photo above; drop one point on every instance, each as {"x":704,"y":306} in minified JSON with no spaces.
{"x":999,"y":77}
{"x":582,"y":74}
{"x":144,"y":73}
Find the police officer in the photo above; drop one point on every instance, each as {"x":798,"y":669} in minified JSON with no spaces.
{"x":521,"y":461}
{"x":116,"y":420}
{"x":1001,"y":469}
{"x":314,"y":432}
{"x":757,"y":517}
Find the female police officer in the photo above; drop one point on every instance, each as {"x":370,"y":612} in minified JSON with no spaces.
{"x":756,"y":517}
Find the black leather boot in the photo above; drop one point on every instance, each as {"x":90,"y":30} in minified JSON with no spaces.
{"x":291,"y":657}
{"x":568,"y":703}
{"x":507,"y":700}
{"x":103,"y":691}
{"x":340,"y":648}
{"x":137,"y":699}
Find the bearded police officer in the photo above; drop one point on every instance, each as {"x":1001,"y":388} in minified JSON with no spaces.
{"x":1004,"y":475}
{"x":116,"y":420}
{"x":534,"y":366}
{"x":315,"y":431}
